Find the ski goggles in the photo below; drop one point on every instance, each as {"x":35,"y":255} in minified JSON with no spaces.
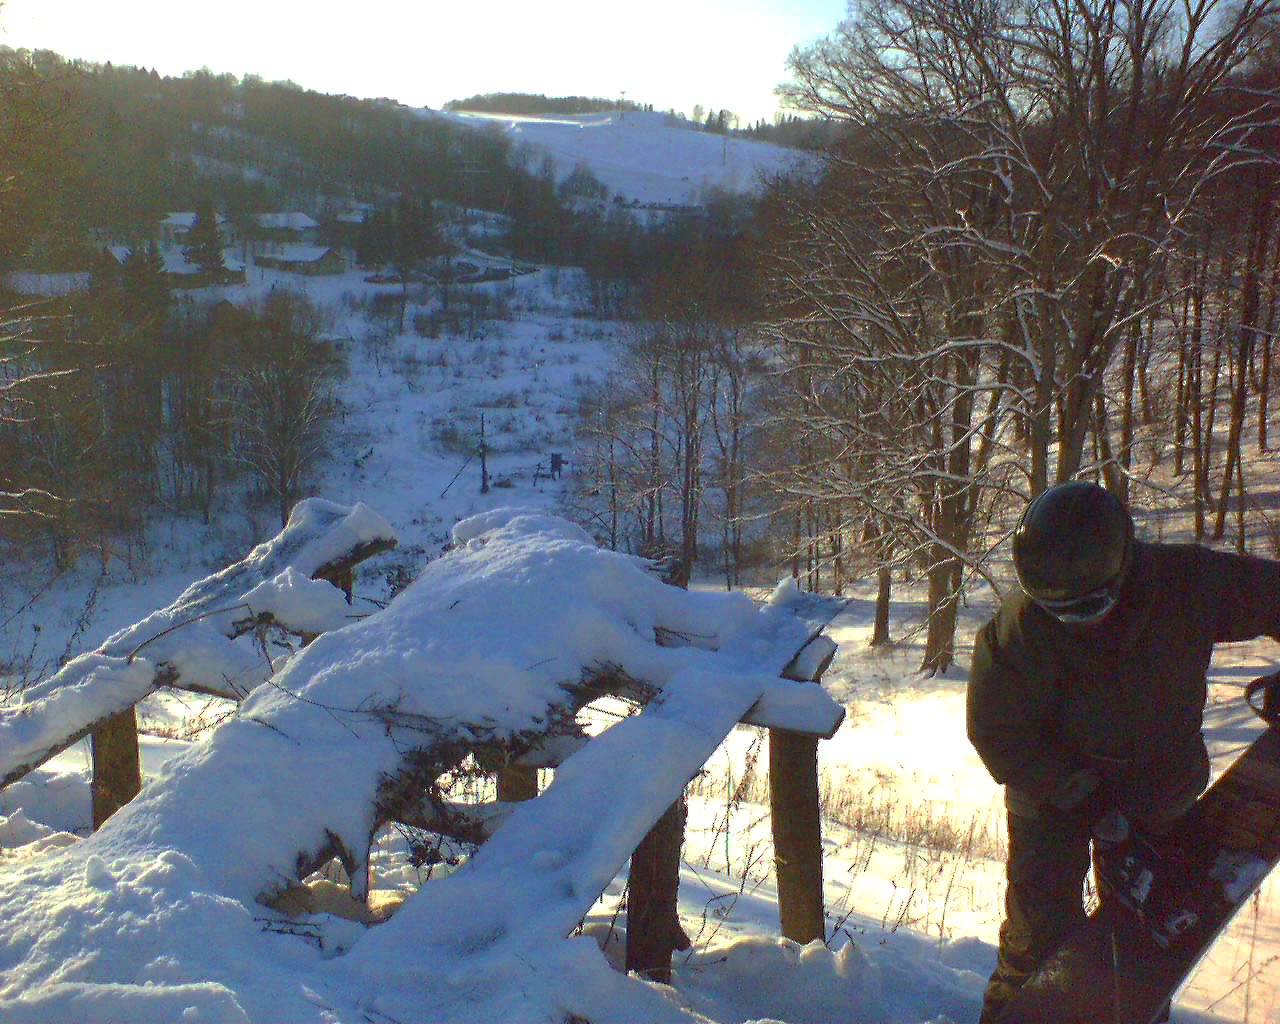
{"x":1086,"y":608}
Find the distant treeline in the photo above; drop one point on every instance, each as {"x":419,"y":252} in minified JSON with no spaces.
{"x":796,"y":132}
{"x":528,"y":103}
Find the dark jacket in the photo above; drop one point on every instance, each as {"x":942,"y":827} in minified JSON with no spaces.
{"x":1126,"y":696}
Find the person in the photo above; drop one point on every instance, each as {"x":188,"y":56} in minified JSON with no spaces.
{"x":1086,"y":698}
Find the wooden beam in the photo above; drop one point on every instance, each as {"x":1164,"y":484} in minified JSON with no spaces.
{"x":324,"y":526}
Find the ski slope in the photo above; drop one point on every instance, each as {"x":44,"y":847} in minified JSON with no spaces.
{"x":645,"y":157}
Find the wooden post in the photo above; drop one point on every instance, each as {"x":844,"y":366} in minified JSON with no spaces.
{"x":797,"y":836}
{"x":516,"y":783}
{"x":653,"y":924}
{"x":793,"y":806}
{"x":117,"y":773}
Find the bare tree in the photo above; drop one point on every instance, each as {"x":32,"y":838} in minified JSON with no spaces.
{"x":281,"y":397}
{"x":955,"y":284}
{"x":25,"y":500}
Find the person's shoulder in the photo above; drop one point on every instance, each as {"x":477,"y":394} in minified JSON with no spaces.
{"x":1187,"y":554}
{"x":1182,"y":564}
{"x":1166,"y":558}
{"x":1013,"y":620}
{"x":1166,"y":551}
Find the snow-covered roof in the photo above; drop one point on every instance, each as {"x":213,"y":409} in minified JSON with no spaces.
{"x":297,"y":252}
{"x":175,"y":259}
{"x":187,"y":219}
{"x":25,"y":282}
{"x":293,"y":221}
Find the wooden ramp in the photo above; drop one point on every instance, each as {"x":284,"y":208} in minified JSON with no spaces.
{"x":538,"y":876}
{"x":489,"y":654}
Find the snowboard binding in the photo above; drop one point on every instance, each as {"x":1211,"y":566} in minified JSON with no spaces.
{"x":1145,"y":879}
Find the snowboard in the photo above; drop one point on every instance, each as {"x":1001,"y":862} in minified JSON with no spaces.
{"x":1165,"y":903}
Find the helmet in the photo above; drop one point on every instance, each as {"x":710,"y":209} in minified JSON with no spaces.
{"x":1073,"y":549}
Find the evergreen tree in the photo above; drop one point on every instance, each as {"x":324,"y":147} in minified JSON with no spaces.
{"x":414,"y":240}
{"x":145,"y":299}
{"x":204,"y":244}
{"x":373,"y":243}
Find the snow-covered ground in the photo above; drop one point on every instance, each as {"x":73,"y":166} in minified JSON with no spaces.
{"x":913,"y":830}
{"x":911,"y":921}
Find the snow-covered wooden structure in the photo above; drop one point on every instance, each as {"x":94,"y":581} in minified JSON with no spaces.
{"x":490,"y":653}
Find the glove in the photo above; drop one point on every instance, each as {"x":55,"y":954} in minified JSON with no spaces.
{"x":1079,"y":801}
{"x":1074,"y":790}
{"x":1111,"y":829}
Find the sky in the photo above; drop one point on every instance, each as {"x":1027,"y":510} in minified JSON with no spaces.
{"x":726,"y":54}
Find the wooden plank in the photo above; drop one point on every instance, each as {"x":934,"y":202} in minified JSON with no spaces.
{"x":579,"y":832}
{"x":516,"y":783}
{"x":803,"y":709}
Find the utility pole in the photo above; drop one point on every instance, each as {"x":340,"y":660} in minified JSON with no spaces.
{"x":484,"y":463}
{"x":622,"y":106}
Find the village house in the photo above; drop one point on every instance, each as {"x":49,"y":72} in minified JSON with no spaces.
{"x":180,"y":273}
{"x":286,"y":227}
{"x":176,"y":226}
{"x":303,"y":259}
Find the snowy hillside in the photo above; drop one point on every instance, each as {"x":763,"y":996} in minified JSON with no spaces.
{"x":646,"y":157}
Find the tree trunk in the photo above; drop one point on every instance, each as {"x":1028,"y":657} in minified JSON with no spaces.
{"x":1250,"y":305}
{"x":1128,"y":419}
{"x":1184,"y":391}
{"x":1268,"y":342}
{"x":880,"y":631}
{"x":1115,"y":480}
{"x":939,"y":647}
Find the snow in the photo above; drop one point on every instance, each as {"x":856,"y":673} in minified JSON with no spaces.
{"x":166,"y":877}
{"x":307,"y":605}
{"x":298,"y":252}
{"x":155,"y":918}
{"x":644,"y":157}
{"x":292,"y":221}
{"x":192,"y":638}
{"x":174,"y":259}
{"x":92,"y":687}
{"x":205,"y":840}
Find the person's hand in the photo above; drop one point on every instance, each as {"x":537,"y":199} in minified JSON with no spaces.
{"x":1111,"y":829}
{"x":1074,"y":790}
{"x":1079,"y":801}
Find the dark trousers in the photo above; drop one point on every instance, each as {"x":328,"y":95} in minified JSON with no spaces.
{"x":1048,"y":862}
